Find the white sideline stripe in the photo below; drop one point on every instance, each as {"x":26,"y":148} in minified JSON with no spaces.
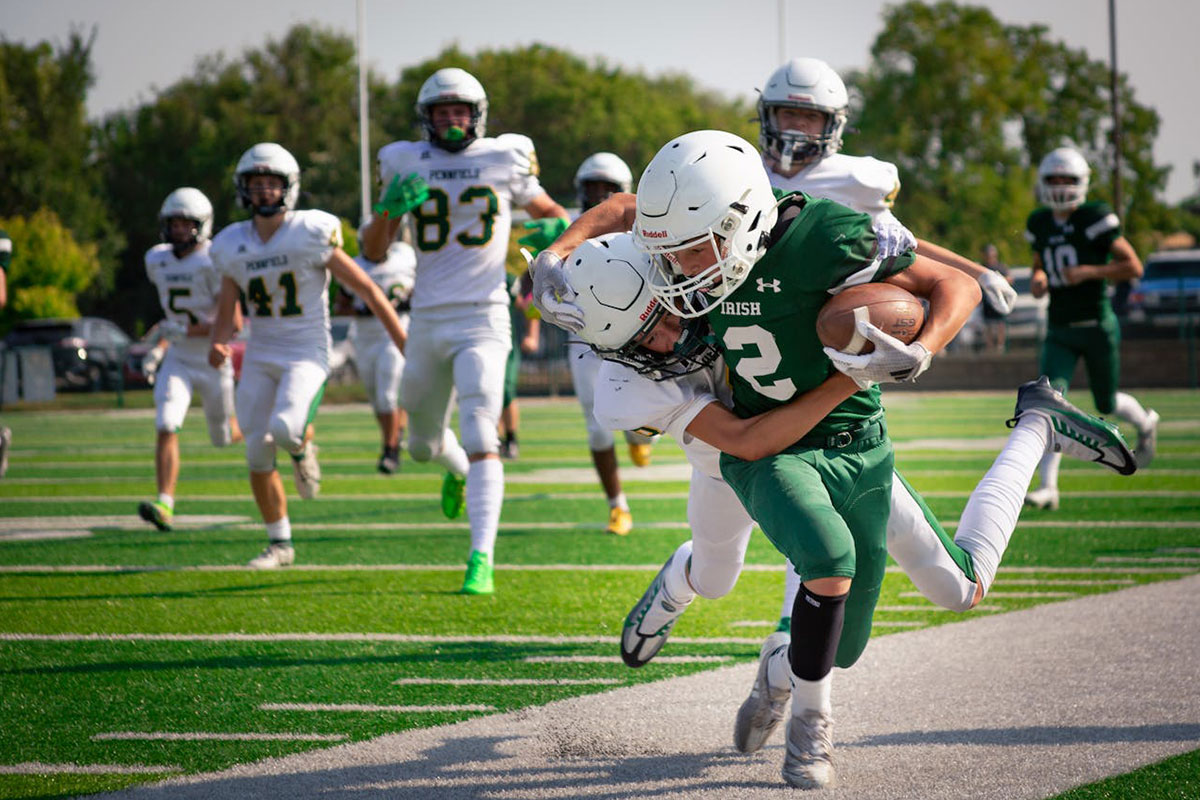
{"x":95,"y":568}
{"x":506,"y":681}
{"x":39,"y":535}
{"x":994,"y":595}
{"x":617,"y":659}
{"x":405,"y":638}
{"x":1150,"y":559}
{"x":932,"y":607}
{"x":70,"y":768}
{"x":83,"y":522}
{"x":357,"y":707}
{"x":208,"y":736}
{"x":1064,"y":582}
{"x":1195,"y":550}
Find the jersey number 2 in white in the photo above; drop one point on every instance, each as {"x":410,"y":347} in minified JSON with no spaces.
{"x":765,"y":363}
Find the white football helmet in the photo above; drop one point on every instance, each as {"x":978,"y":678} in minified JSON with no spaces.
{"x":612,"y":279}
{"x":802,"y":83}
{"x":704,"y":186}
{"x":187,"y":203}
{"x":268,"y":158}
{"x":1063,"y":162}
{"x":607,"y":167}
{"x":452,"y":85}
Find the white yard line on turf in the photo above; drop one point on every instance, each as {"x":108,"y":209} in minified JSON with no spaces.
{"x":39,"y":768}
{"x":507,"y":681}
{"x":209,"y":736}
{"x":995,"y":595}
{"x":618,"y":660}
{"x":360,"y":707}
{"x":402,"y":638}
{"x":39,"y":535}
{"x":1173,"y":566}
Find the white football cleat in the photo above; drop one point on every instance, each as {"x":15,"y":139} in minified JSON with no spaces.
{"x":1045,"y":498}
{"x":808,"y":763}
{"x":307,"y":472}
{"x":649,"y":623}
{"x":763,"y":710}
{"x":276,"y":554}
{"x":1147,"y":441}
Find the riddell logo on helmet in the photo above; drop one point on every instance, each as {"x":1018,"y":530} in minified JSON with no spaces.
{"x":653,"y":304}
{"x":654,"y":234}
{"x":804,"y":98}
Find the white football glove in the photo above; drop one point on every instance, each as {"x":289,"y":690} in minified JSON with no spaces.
{"x":151,"y":362}
{"x":997,"y":292}
{"x":892,"y":361}
{"x":893,"y":238}
{"x":552,"y":295}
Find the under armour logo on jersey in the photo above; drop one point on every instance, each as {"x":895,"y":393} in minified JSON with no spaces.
{"x":241,"y":248}
{"x":772,"y":285}
{"x":424,"y":155}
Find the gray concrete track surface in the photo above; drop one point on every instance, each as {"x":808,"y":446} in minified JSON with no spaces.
{"x":1019,"y":705}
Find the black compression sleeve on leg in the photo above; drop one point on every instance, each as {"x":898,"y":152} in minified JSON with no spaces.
{"x":816,"y":628}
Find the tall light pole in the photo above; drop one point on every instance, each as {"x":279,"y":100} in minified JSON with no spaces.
{"x":364,"y":143}
{"x":782,"y":6}
{"x":1116,"y":105}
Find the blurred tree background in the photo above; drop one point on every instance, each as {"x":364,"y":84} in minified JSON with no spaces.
{"x":963,"y":104}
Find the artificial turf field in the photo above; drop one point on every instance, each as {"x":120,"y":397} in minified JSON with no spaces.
{"x":130,"y":655}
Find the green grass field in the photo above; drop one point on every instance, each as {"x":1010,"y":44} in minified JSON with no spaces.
{"x":129,"y":655}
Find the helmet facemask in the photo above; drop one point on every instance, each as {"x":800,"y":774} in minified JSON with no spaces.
{"x":696,"y":295}
{"x":247,"y":199}
{"x":693,"y":351}
{"x":180,"y":246}
{"x":1064,"y":197}
{"x":790,"y":147}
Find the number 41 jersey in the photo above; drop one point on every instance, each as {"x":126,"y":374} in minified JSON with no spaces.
{"x":462,"y":229}
{"x":284,"y":282}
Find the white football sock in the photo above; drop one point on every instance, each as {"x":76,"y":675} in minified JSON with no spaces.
{"x":485,"y":495}
{"x":620,"y":501}
{"x":675,"y":579}
{"x":452,"y":456}
{"x":779,"y":669}
{"x":988,"y":521}
{"x":811,"y":694}
{"x":791,"y":587}
{"x":1049,"y":470}
{"x":1129,"y":409}
{"x":166,"y":500}
{"x":280,"y":530}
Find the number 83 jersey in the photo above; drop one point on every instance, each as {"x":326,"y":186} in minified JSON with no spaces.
{"x":284,"y":282}
{"x":462,"y":229}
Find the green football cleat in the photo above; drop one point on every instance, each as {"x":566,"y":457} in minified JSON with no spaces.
{"x":454,"y":495}
{"x":478,"y":579}
{"x":157,"y":514}
{"x":1075,"y":433}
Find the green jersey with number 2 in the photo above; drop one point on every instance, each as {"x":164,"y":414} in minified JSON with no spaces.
{"x":768,"y":325}
{"x":1085,"y":237}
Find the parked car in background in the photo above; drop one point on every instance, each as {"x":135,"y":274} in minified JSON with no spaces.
{"x":1168,"y":293}
{"x":88,"y":352}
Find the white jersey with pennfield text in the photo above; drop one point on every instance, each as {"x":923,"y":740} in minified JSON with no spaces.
{"x":862,"y":183}
{"x":628,"y":401}
{"x":187,"y":289}
{"x":284,"y":282}
{"x":394,"y":276}
{"x":462,"y":229}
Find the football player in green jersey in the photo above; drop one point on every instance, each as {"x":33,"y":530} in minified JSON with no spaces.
{"x":1077,"y":249}
{"x":705,"y":207}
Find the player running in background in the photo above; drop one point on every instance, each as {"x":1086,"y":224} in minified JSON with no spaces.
{"x":460,"y":187}
{"x":1077,"y":249}
{"x":378,"y":359}
{"x":187,"y":284}
{"x":281,"y":259}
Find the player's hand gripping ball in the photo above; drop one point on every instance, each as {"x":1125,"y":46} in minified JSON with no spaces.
{"x":893,"y":310}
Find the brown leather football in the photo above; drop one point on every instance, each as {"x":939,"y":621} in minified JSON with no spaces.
{"x":893,"y":310}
